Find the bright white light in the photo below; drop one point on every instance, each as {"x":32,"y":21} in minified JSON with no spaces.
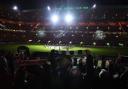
{"x":94,"y":6}
{"x":49,"y":8}
{"x":15,"y":8}
{"x":54,"y":18}
{"x":68,"y":18}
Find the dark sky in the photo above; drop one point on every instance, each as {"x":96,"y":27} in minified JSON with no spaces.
{"x":32,"y":4}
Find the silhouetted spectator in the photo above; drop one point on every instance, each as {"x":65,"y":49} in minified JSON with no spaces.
{"x":5,"y":78}
{"x":11,"y":63}
{"x":53,"y":59}
{"x":90,"y":69}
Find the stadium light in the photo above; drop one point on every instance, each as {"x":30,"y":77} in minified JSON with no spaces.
{"x":94,"y":6}
{"x":54,"y":18}
{"x":48,"y":8}
{"x":68,"y":18}
{"x":15,"y":8}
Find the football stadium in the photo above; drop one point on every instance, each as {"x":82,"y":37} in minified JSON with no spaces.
{"x":86,"y":28}
{"x":73,"y":44}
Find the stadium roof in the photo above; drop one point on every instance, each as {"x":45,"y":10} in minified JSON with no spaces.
{"x":34,"y":4}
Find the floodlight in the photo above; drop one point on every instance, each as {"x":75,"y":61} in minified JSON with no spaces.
{"x":68,"y":18}
{"x":15,"y":8}
{"x":94,"y":6}
{"x":54,"y":18}
{"x":48,"y":8}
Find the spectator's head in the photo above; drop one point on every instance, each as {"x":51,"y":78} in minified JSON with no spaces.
{"x":52,"y":51}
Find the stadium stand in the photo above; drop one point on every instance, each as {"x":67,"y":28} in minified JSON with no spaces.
{"x":106,"y":26}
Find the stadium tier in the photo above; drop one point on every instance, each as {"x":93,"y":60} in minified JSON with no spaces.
{"x":106,"y":26}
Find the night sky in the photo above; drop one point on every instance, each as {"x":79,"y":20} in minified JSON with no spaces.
{"x":32,"y":4}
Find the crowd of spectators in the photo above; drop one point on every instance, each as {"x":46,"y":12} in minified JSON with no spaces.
{"x":60,"y":72}
{"x":112,"y":21}
{"x":77,"y":37}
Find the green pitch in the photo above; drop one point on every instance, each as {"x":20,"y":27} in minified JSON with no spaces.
{"x":46,"y":48}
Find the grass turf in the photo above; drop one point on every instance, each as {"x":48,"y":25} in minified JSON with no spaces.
{"x":113,"y":51}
